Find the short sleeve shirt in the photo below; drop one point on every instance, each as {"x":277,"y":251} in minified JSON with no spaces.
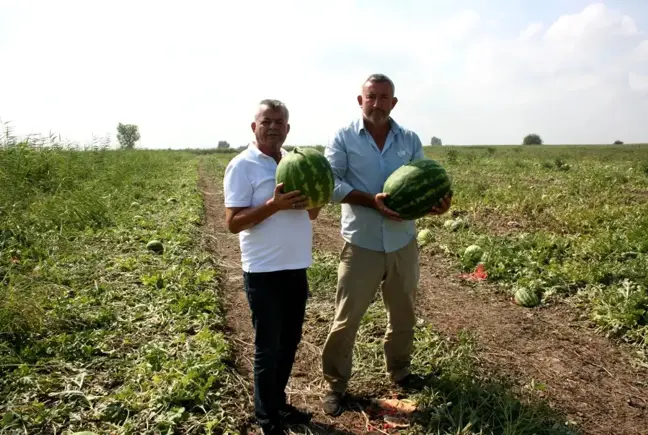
{"x":284,"y":240}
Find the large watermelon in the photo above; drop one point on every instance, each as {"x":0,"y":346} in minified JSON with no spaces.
{"x":307,"y":170}
{"x":416,"y":187}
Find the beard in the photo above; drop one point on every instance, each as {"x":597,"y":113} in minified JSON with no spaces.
{"x":377,"y":115}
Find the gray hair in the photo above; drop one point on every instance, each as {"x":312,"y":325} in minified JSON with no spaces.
{"x":274,"y":105}
{"x":381,"y":78}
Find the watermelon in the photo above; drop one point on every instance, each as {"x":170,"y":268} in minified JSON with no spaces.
{"x":424,"y":237}
{"x":473,"y":254}
{"x":307,"y":170}
{"x":155,"y":246}
{"x":416,"y":187}
{"x":526,"y":297}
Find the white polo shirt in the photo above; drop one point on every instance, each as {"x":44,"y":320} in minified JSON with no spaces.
{"x":282,"y":241}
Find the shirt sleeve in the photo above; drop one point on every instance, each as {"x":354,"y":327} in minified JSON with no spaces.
{"x":418,"y":147}
{"x":337,"y":156}
{"x":236,"y":185}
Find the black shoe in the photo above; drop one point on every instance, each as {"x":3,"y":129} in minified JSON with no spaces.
{"x":332,"y":403}
{"x":291,"y":415}
{"x":273,"y":429}
{"x":412,"y":382}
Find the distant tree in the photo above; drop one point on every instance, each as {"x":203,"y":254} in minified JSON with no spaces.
{"x":618,"y":142}
{"x":532,"y":139}
{"x":127,"y":135}
{"x":223,"y":144}
{"x":435,"y":141}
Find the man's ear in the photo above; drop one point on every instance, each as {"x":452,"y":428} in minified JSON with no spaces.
{"x":253,"y":127}
{"x":287,"y":128}
{"x":359,"y":100}
{"x":394,"y":101}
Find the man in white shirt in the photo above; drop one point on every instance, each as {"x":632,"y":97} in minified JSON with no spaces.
{"x":275,"y":235}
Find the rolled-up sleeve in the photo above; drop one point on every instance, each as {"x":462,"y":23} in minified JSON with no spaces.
{"x":336,"y":154}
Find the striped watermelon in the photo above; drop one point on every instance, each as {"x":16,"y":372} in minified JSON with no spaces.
{"x":416,"y":187}
{"x":526,"y":297}
{"x":307,"y":170}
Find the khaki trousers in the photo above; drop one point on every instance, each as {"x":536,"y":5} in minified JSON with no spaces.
{"x":360,"y":273}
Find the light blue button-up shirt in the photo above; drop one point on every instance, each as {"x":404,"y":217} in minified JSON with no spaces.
{"x":359,"y":164}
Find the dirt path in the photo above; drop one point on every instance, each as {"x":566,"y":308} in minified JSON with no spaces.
{"x":586,"y":376}
{"x":591,"y":379}
{"x":305,"y":387}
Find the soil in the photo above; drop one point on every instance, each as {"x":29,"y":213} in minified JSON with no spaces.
{"x":593,"y":380}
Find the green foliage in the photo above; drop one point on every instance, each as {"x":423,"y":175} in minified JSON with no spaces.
{"x":96,"y":331}
{"x":322,"y":275}
{"x":620,"y":309}
{"x":435,"y":141}
{"x":564,"y":222}
{"x":532,"y":139}
{"x":452,"y":157}
{"x":459,"y":394}
{"x":127,"y":135}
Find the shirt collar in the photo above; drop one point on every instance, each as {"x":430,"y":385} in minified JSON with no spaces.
{"x":254,"y":149}
{"x":394,"y":126}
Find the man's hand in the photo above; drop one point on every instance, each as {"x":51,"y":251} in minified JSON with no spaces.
{"x":442,"y":206}
{"x":242,"y":218}
{"x":287,"y":201}
{"x":379,"y":205}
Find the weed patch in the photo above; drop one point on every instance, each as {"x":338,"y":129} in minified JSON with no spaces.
{"x":97,"y":332}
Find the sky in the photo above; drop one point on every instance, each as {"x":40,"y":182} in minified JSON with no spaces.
{"x":190,"y":73}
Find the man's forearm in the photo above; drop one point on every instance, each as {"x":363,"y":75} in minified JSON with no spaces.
{"x":358,"y":197}
{"x":249,"y":217}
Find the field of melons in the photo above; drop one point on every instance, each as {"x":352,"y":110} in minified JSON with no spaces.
{"x":97,"y":332}
{"x":563,"y":222}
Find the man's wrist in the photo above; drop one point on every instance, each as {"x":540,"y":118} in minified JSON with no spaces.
{"x":359,"y":197}
{"x":272,"y":205}
{"x":372,"y":201}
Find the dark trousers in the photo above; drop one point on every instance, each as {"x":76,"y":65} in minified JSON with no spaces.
{"x":278,"y":304}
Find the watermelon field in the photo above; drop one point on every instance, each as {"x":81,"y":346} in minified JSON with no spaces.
{"x":100,"y":333}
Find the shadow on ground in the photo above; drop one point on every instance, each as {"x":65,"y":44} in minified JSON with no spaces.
{"x":464,"y":406}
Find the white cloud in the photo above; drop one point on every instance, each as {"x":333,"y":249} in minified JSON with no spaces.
{"x":190,"y":74}
{"x":640,"y":52}
{"x":461,"y":25}
{"x":532,"y":30}
{"x":577,"y":83}
{"x":638,"y":82}
{"x":596,"y":21}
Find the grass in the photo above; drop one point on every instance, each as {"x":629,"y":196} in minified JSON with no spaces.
{"x":567,"y":222}
{"x":97,"y":332}
{"x":459,"y":400}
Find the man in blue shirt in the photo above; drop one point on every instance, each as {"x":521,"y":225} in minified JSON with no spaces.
{"x":380,"y":248}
